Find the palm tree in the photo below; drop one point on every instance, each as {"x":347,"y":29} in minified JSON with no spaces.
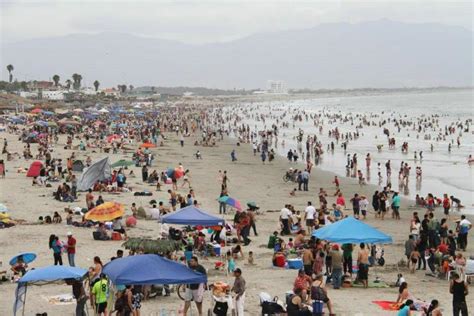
{"x":56,"y":80}
{"x":130,"y":87}
{"x":68,"y":83}
{"x":77,"y":81}
{"x":10,"y":69}
{"x":123,"y":88}
{"x":96,"y":85}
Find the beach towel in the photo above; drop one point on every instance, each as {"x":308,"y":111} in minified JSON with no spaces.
{"x":387,"y":305}
{"x":372,"y":284}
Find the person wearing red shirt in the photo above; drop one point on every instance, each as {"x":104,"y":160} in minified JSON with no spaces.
{"x":446,"y":205}
{"x":71,"y":249}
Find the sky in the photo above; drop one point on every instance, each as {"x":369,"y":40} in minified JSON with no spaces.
{"x":203,"y":21}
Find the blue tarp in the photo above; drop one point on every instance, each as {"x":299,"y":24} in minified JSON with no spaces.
{"x":352,"y":231}
{"x":150,"y":269}
{"x":192,"y":215}
{"x":52,"y":273}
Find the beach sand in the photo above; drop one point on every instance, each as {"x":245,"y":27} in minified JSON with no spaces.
{"x":249,"y":180}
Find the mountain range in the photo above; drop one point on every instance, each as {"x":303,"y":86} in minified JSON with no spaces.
{"x":378,"y":54}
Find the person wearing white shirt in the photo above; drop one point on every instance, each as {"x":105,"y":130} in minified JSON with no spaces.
{"x":363,"y":205}
{"x":285,"y":214}
{"x":310,"y":212}
{"x":464,"y":227}
{"x":155,"y":212}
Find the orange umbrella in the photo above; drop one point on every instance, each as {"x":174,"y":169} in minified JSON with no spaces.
{"x":106,"y":212}
{"x":148,"y":145}
{"x":36,"y":110}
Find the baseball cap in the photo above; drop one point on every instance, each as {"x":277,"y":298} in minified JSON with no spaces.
{"x":69,"y":233}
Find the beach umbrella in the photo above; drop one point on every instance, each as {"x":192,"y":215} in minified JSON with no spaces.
{"x":170,"y":172}
{"x":36,"y":111}
{"x":148,"y":145}
{"x":112,"y":137}
{"x":178,"y":173}
{"x":68,"y":122}
{"x":106,"y":212}
{"x":41,"y":123}
{"x":48,"y":113}
{"x":52,"y":124}
{"x":78,"y":110}
{"x":121,"y":125}
{"x":122,"y":163}
{"x":230,"y":201}
{"x":103,"y":110}
{"x":27,"y":258}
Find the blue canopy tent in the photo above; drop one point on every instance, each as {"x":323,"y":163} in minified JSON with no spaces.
{"x":41,"y":276}
{"x":150,"y":269}
{"x":191,"y":215}
{"x":352,"y":231}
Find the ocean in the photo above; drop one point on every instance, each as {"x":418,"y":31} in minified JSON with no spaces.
{"x":443,"y":171}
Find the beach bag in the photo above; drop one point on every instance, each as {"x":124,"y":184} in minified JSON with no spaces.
{"x":220,"y":309}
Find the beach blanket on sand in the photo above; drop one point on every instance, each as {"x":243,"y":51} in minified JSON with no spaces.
{"x":387,"y":305}
{"x":372,"y":284}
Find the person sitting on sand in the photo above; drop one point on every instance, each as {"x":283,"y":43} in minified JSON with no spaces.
{"x":103,"y":235}
{"x":279,"y":259}
{"x":19,"y":268}
{"x":57,"y":219}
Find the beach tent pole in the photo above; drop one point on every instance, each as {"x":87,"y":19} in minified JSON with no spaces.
{"x":24,"y":302}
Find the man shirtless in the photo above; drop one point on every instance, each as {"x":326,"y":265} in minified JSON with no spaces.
{"x":363,"y":263}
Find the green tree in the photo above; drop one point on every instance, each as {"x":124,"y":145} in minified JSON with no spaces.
{"x":10,"y":69}
{"x":123,"y":88}
{"x":130,"y":87}
{"x":68,"y":83}
{"x":56,"y":80}
{"x":77,"y":81}
{"x":96,"y":85}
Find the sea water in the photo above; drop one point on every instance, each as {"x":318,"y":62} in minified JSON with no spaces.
{"x":443,"y":171}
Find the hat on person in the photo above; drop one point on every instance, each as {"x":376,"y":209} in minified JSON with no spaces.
{"x":69,"y":233}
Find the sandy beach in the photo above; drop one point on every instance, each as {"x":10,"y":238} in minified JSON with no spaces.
{"x":249,"y":180}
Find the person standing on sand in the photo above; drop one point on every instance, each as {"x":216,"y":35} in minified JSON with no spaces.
{"x":459,"y":290}
{"x":309,"y":214}
{"x":233,"y":156}
{"x":239,"y":290}
{"x":363,"y":263}
{"x":71,"y":249}
{"x":89,"y":199}
{"x":194,"y":292}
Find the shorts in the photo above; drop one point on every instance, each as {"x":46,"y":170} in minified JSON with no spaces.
{"x":310,"y":222}
{"x":395,"y":210}
{"x":173,"y":202}
{"x":364,"y":212}
{"x":446,"y":211}
{"x":356,"y":211}
{"x":194,"y":295}
{"x":101,"y":307}
{"x":363,"y":271}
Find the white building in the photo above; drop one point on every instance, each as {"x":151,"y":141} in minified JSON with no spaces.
{"x":276,"y":86}
{"x":28,"y":94}
{"x":52,"y":94}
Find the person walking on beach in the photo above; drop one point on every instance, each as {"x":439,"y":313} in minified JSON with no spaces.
{"x":309,"y":214}
{"x":464,"y":227}
{"x":458,"y":288}
{"x":71,"y":249}
{"x":233,"y":156}
{"x":305,"y":176}
{"x":285,"y":214}
{"x":239,"y":290}
{"x":194,"y":292}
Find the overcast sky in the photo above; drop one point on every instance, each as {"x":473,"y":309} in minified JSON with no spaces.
{"x":203,"y":21}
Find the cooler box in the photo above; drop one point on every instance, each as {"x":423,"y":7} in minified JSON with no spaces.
{"x":295,"y":264}
{"x":217,"y":250}
{"x":116,"y":236}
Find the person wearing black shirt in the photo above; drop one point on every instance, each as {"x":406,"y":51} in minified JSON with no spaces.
{"x":195,"y":292}
{"x":459,"y":290}
{"x":79,"y":294}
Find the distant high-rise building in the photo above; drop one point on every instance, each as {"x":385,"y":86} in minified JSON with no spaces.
{"x":276,"y":86}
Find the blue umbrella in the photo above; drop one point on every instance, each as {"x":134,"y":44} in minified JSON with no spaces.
{"x":42,"y":123}
{"x":52,"y":274}
{"x":48,"y":113}
{"x":27,"y":257}
{"x":150,"y":269}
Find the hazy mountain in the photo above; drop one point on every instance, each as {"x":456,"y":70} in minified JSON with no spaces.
{"x":340,"y":55}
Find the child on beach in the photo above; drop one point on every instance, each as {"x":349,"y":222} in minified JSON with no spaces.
{"x":250,"y":260}
{"x":293,"y":192}
{"x":230,"y":262}
{"x":336,"y":182}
